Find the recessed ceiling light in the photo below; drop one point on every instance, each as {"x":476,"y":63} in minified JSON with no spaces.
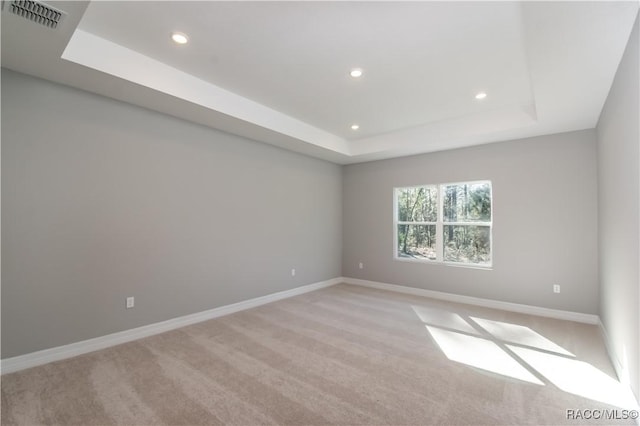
{"x":354,"y":127}
{"x":179,"y":38}
{"x":356,"y":72}
{"x":481,"y":95}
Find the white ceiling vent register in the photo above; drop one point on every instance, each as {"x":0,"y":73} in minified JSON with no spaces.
{"x":34,"y":11}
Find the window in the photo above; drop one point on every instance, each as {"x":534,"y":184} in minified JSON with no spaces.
{"x":448,"y":223}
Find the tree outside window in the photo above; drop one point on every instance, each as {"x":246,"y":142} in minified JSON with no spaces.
{"x":449,"y":223}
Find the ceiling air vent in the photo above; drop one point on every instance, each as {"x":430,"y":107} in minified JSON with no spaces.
{"x":34,"y":11}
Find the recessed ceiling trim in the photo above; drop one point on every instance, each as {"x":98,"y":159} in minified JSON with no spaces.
{"x":445,"y":134}
{"x":108,"y":57}
{"x":565,"y":93}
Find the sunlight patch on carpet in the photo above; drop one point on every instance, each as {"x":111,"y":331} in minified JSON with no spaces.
{"x":480,"y":353}
{"x":577,"y":377}
{"x":520,"y":334}
{"x":443,"y":318}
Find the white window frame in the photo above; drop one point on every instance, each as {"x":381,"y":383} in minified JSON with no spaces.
{"x":440,"y":224}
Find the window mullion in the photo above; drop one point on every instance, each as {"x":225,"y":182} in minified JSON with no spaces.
{"x":439,"y":227}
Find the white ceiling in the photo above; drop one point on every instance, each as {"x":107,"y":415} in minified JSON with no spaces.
{"x":278,"y":72}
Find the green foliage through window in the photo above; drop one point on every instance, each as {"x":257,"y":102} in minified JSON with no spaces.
{"x":417,"y":241}
{"x":450,"y":223}
{"x":418,"y":204}
{"x":467,"y":202}
{"x":467,"y":244}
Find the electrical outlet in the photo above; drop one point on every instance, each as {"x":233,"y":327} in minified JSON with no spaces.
{"x":293,"y":272}
{"x":361,"y":265}
{"x":130,"y":302}
{"x":556,"y":288}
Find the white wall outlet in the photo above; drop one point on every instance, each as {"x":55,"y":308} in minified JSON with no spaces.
{"x":293,"y":272}
{"x":361,"y":265}
{"x":130,"y":302}
{"x":556,"y":288}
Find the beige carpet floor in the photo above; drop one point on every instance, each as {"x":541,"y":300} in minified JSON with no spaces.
{"x":343,"y":355}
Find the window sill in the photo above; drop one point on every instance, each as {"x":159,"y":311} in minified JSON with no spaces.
{"x":452,"y":264}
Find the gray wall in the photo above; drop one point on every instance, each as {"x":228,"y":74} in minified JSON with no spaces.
{"x":544,"y":215}
{"x":619,"y":213}
{"x":103,"y":200}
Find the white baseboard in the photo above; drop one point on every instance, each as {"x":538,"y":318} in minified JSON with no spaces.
{"x":487,"y":303}
{"x":21,"y":362}
{"x":10,"y":365}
